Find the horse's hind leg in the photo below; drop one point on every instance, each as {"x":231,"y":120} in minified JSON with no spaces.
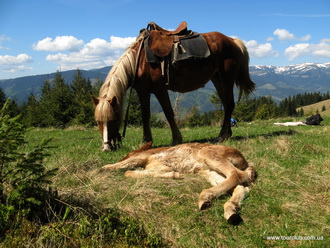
{"x":164,"y":100}
{"x":225,"y":89}
{"x":232,"y":205}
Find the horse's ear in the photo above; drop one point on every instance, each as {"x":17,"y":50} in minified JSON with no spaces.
{"x":96,"y":100}
{"x":113,"y":102}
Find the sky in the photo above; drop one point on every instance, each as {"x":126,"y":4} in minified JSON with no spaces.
{"x":40,"y":37}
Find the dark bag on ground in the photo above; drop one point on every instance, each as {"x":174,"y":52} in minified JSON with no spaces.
{"x":314,"y":120}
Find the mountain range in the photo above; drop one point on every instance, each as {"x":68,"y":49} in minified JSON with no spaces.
{"x":276,"y":81}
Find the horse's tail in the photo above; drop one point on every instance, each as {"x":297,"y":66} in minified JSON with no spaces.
{"x":243,"y":80}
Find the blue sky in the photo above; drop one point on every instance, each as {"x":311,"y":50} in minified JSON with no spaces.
{"x":38,"y":36}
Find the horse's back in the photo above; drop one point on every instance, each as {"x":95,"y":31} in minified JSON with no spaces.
{"x":220,"y":43}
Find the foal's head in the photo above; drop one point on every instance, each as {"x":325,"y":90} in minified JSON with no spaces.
{"x":107,"y":115}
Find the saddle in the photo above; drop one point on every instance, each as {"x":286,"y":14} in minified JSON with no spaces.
{"x":165,"y":46}
{"x":161,"y":40}
{"x":181,"y":29}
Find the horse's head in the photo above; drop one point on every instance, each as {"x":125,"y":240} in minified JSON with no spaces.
{"x":108,"y":118}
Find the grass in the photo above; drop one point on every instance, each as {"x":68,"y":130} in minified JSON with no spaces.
{"x":289,"y":199}
{"x":317,"y":108}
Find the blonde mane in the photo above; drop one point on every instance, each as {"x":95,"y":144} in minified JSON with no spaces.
{"x":116,"y":85}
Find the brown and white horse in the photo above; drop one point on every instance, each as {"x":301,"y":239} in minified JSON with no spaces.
{"x":227,"y":64}
{"x":224,"y":167}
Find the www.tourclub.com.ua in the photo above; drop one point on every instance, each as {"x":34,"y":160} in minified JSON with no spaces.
{"x":295,"y":238}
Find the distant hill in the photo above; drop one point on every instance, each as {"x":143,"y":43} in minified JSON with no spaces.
{"x":20,"y":88}
{"x":283,"y":81}
{"x":276,"y":81}
{"x":317,"y":108}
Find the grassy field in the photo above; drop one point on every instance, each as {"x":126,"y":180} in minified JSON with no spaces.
{"x":317,"y":108}
{"x":290,"y":200}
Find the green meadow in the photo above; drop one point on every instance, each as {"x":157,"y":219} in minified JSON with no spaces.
{"x":288,"y":206}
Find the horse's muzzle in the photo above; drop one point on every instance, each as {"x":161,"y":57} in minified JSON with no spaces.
{"x":113,"y":144}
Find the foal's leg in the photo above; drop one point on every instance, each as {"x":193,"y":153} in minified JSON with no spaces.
{"x":235,"y":178}
{"x":152,"y":173}
{"x":129,"y":163}
{"x":216,"y":162}
{"x":154,"y":169}
{"x":232,"y":205}
{"x":213,"y":177}
{"x":164,"y":100}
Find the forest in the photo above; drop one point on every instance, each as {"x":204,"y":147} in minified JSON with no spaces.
{"x":62,"y":104}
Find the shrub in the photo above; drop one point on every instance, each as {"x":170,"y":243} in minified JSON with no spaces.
{"x":23,"y":177}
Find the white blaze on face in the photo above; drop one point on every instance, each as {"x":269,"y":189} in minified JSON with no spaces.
{"x":105,"y":136}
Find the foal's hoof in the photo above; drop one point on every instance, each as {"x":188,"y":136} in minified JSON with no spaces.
{"x":235,"y":220}
{"x":204,"y":205}
{"x":205,"y":200}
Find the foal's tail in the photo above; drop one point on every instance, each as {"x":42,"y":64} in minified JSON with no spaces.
{"x":243,"y":80}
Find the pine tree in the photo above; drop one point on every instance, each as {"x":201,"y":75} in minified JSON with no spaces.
{"x":82,"y":94}
{"x":31,"y":112}
{"x":2,"y":98}
{"x":135,"y":115}
{"x":56,"y":102}
{"x":23,"y":177}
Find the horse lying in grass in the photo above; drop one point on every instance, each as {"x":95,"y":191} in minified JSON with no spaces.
{"x":224,"y":167}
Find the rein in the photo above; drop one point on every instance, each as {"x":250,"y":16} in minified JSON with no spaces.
{"x":133,"y":82}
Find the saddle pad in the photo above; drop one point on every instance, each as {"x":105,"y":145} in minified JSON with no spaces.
{"x":195,"y":47}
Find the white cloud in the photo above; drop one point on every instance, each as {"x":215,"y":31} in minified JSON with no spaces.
{"x":97,"y":53}
{"x":269,"y":39}
{"x":60,"y":43}
{"x":306,"y":38}
{"x":283,"y":34}
{"x":121,"y":43}
{"x":320,"y":50}
{"x":260,"y":50}
{"x":4,"y":38}
{"x":15,"y":63}
{"x":297,"y":50}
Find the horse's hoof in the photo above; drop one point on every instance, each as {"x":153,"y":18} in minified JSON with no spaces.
{"x":221,"y":139}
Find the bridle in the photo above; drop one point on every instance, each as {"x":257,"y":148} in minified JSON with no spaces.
{"x":133,"y":81}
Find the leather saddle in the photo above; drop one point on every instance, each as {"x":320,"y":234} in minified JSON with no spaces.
{"x":181,"y":29}
{"x":165,"y":46}
{"x":176,"y":45}
{"x":160,"y":40}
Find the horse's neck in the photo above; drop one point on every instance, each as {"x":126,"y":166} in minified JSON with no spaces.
{"x":120,"y":78}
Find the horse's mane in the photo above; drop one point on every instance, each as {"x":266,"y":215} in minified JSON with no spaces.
{"x":116,"y":84}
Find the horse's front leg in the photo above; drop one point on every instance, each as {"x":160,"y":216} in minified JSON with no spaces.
{"x":164,"y":100}
{"x":145,"y":110}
